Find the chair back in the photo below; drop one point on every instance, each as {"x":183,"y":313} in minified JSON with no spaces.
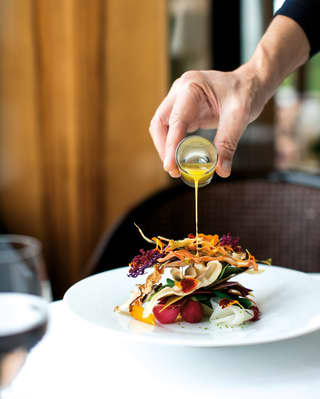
{"x":277,"y":216}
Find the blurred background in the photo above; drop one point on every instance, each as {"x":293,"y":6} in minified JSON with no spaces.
{"x":79,"y":83}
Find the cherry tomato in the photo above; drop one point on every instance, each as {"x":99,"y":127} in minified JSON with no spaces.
{"x":168,"y":315}
{"x":192,"y":312}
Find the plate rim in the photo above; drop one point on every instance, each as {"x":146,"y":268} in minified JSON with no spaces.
{"x":127,"y":336}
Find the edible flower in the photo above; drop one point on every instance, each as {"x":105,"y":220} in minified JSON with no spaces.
{"x":188,"y":284}
{"x":225,"y":302}
{"x":137,"y":313}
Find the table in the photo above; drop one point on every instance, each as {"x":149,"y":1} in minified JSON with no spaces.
{"x":77,"y":360}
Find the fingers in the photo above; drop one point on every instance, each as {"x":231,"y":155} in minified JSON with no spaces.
{"x":159,"y":130}
{"x":230,"y":128}
{"x":160,"y":122}
{"x":184,"y":114}
{"x":159,"y":126}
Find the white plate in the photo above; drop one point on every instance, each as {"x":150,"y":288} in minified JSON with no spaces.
{"x":288,"y":300}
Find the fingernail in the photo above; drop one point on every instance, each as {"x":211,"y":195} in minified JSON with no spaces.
{"x":226,"y":165}
{"x":174,"y":173}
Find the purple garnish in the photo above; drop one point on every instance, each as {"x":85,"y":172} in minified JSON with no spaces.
{"x":227,"y":239}
{"x":141,"y":262}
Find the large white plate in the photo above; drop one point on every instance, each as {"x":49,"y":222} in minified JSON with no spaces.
{"x":289,"y":302}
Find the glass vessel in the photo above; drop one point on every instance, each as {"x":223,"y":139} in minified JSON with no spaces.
{"x":196,"y":158}
{"x":23,"y":310}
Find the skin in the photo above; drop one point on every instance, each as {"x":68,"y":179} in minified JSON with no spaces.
{"x":228,"y":101}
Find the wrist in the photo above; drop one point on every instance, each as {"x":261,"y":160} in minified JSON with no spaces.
{"x":257,"y":85}
{"x":263,"y":72}
{"x":283,"y":48}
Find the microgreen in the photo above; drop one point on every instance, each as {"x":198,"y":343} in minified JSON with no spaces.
{"x":229,"y":270}
{"x":170,"y":283}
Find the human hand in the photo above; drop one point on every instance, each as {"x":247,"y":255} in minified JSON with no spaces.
{"x":228,"y":101}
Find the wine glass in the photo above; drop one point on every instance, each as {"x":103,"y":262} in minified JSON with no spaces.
{"x":23,"y":310}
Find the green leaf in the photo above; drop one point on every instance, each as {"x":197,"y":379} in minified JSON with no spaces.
{"x":222,"y":295}
{"x":245,"y":302}
{"x":229,"y":271}
{"x":170,"y":283}
{"x":203,"y":299}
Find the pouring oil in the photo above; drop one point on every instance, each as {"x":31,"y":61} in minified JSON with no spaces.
{"x":196,"y":158}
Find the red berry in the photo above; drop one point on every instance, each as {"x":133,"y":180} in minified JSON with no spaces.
{"x":168,"y":315}
{"x":256,"y":313}
{"x":192,"y":312}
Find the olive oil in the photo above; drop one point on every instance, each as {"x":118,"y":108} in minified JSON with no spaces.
{"x":196,"y":159}
{"x":196,"y":174}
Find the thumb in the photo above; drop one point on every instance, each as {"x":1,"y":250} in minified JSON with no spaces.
{"x":228,"y":134}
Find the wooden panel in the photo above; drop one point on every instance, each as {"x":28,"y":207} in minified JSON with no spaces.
{"x":136,"y":66}
{"x":68,"y":39}
{"x":54,"y":58}
{"x":80,"y":83}
{"x":20,"y":172}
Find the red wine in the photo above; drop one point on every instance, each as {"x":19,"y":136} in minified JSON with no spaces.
{"x":23,"y":323}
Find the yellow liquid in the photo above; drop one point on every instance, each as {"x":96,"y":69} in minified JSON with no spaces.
{"x":197,"y":174}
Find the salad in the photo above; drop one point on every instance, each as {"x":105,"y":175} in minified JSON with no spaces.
{"x":199,"y":286}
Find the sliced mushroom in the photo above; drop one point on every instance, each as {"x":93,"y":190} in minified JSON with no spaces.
{"x":191,"y":272}
{"x":176,"y":273}
{"x":214,"y":268}
{"x":201,"y":270}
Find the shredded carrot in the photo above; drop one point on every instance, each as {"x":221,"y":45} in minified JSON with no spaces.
{"x":228,"y":248}
{"x":171,"y":255}
{"x":222,"y":251}
{"x":159,"y":243}
{"x":234,"y":262}
{"x":252,"y":260}
{"x":185,"y":253}
{"x":205,"y":258}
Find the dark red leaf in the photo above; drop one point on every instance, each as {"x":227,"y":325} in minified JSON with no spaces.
{"x":233,"y":285}
{"x":256,"y":313}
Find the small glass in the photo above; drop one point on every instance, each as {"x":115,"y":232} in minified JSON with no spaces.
{"x":23,"y":309}
{"x":196,"y":159}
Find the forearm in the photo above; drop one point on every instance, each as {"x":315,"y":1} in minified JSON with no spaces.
{"x":283,"y":48}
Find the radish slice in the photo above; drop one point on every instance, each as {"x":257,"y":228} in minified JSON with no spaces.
{"x":231,"y":316}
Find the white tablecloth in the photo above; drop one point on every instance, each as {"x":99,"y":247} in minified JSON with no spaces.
{"x":77,"y":360}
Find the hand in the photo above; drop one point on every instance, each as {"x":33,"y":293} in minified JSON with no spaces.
{"x":227,"y":101}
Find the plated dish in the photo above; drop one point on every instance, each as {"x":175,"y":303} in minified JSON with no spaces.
{"x":288,"y":301}
{"x":199,"y":288}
